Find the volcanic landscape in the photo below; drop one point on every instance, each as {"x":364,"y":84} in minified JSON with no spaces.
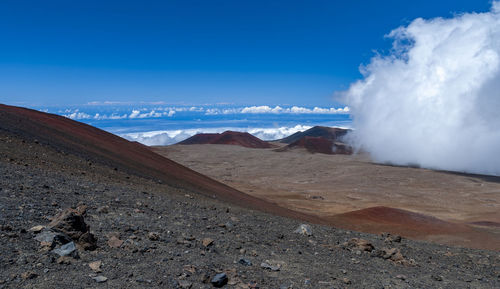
{"x":82,"y":208}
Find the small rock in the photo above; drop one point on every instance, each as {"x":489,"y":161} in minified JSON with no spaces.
{"x":185,"y":284}
{"x":204,"y":277}
{"x":6,"y":228}
{"x":207,"y":242}
{"x":437,"y":278}
{"x":154,"y":236}
{"x":142,"y":280}
{"x":401,"y":276}
{"x":359,"y":244}
{"x":68,"y":249}
{"x":100,"y":279}
{"x":103,"y":210}
{"x":36,"y":229}
{"x":190,"y":268}
{"x":64,"y":260}
{"x":51,"y":239}
{"x":346,"y":281}
{"x":114,"y":242}
{"x":245,"y":262}
{"x":29,"y":275}
{"x":377,"y":253}
{"x":393,"y":254}
{"x":304,"y":229}
{"x":392,"y":238}
{"x":269,"y":266}
{"x":96,"y":266}
{"x":219,"y":280}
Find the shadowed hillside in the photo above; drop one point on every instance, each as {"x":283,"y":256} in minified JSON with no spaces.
{"x":333,"y":134}
{"x":318,"y":145}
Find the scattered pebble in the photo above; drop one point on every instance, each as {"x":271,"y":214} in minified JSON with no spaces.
{"x":304,"y":229}
{"x":219,"y":280}
{"x":100,"y":279}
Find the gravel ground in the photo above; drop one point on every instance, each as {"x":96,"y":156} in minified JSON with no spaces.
{"x":153,"y":235}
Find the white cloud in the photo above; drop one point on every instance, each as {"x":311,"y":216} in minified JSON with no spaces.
{"x":78,"y":115}
{"x":265,"y":109}
{"x":151,"y":114}
{"x":134,"y":114}
{"x":174,"y":136}
{"x":434,"y":100}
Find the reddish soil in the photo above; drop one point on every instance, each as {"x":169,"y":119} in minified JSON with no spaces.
{"x":318,"y":145}
{"x":69,"y":136}
{"x":443,"y":207}
{"x":228,"y":137}
{"x":414,"y":225}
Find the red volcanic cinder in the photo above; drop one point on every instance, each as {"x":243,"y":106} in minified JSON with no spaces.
{"x":230,"y":138}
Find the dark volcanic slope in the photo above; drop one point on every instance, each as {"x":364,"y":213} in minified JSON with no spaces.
{"x":228,"y":137}
{"x":318,"y":145}
{"x":330,"y":133}
{"x":201,"y":138}
{"x":99,"y":146}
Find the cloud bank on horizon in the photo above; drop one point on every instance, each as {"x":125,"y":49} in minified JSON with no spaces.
{"x":434,"y":101}
{"x":158,"y":112}
{"x":168,"y":137}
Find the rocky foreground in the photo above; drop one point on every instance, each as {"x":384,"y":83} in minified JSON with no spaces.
{"x":68,"y":222}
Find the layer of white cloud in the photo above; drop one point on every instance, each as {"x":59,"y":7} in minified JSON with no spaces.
{"x":264,"y":109}
{"x":135,"y":113}
{"x":166,"y":111}
{"x":174,"y":136}
{"x":434,"y":100}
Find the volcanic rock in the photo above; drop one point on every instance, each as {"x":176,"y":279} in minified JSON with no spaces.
{"x":71,"y":222}
{"x":392,"y":238}
{"x":245,"y":262}
{"x":268,"y":266}
{"x":153,"y":236}
{"x":68,"y":249}
{"x":49,"y":238}
{"x":96,"y":266}
{"x":29,"y":275}
{"x":207,"y":242}
{"x":304,"y":229}
{"x":358,"y":244}
{"x":100,"y":279}
{"x":219,"y":280}
{"x":36,"y":229}
{"x":114,"y":242}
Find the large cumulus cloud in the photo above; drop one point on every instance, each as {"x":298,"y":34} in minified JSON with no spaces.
{"x":434,"y":100}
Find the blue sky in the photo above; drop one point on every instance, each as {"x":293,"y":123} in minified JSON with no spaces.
{"x":196,"y":52}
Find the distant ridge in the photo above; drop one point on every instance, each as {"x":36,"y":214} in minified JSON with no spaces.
{"x":229,"y":138}
{"x":333,"y":134}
